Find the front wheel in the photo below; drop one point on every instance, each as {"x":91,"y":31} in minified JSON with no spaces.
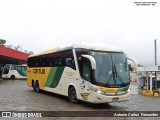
{"x":72,"y":95}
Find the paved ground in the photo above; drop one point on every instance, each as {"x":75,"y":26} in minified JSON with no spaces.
{"x":16,"y":95}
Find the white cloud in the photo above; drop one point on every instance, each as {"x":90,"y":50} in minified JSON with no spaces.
{"x":42,"y":24}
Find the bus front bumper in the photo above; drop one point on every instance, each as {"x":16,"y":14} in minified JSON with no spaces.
{"x":5,"y":76}
{"x":101,"y":98}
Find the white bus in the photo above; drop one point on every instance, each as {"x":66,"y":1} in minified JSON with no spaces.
{"x":89,"y":72}
{"x":14,"y":71}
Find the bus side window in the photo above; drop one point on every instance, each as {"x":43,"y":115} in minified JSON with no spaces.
{"x":23,"y":68}
{"x":56,"y":62}
{"x":48,"y":62}
{"x":30,"y":62}
{"x":59,"y":62}
{"x":18,"y":67}
{"x":13,"y":67}
{"x":70,"y":63}
{"x":6,"y":69}
{"x":52,"y":61}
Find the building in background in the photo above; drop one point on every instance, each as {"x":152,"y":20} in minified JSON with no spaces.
{"x":11,"y":56}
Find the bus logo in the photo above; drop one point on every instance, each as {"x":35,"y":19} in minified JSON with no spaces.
{"x":39,"y":71}
{"x":85,"y":96}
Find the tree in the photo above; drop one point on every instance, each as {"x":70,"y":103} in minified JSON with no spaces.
{"x":18,"y":47}
{"x":139,"y":65}
{"x":130,"y":67}
{"x":30,"y":52}
{"x":26,"y":51}
{"x":2,"y":41}
{"x":9,"y":46}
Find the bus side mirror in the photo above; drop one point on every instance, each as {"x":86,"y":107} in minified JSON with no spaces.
{"x":134,"y":61}
{"x":91,"y":59}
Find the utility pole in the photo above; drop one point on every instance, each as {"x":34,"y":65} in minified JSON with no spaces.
{"x":155,"y":46}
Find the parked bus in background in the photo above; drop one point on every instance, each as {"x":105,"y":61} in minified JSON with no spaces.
{"x":14,"y":71}
{"x":89,"y":72}
{"x":1,"y":71}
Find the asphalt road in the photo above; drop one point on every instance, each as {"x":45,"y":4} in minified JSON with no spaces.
{"x":15,"y":95}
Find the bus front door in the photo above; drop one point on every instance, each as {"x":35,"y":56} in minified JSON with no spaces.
{"x":85,"y":85}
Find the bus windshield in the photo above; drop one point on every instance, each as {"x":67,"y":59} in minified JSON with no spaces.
{"x":111,"y":68}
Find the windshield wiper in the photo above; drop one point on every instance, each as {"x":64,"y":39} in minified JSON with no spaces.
{"x":114,"y":71}
{"x":116,"y":75}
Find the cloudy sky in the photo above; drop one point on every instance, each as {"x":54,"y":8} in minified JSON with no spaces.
{"x":39,"y":25}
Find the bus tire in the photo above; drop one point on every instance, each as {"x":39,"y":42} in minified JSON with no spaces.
{"x":12,"y":77}
{"x":34,"y":86}
{"x":37,"y":89}
{"x":72,"y":95}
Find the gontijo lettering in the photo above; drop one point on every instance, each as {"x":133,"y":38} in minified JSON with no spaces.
{"x":39,"y":71}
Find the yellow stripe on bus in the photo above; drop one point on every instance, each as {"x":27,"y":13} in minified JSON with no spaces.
{"x":104,"y":89}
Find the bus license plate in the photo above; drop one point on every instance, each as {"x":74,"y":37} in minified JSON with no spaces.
{"x":115,"y":99}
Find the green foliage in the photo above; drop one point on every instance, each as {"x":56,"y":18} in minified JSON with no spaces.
{"x":158,"y":84}
{"x":2,"y":42}
{"x":130,"y":67}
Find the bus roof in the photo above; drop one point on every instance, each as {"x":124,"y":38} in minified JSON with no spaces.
{"x":91,"y":46}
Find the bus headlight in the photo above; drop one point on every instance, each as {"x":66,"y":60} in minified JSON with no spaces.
{"x":97,"y":91}
{"x":100,"y":92}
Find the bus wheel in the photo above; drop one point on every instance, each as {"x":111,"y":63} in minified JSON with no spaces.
{"x":33,"y":85}
{"x":12,"y":77}
{"x":37,"y":87}
{"x":72,"y":95}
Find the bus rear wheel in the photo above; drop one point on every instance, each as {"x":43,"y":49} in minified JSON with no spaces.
{"x":12,"y":77}
{"x":72,"y":95}
{"x":36,"y":87}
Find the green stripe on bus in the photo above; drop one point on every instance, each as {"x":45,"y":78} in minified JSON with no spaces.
{"x":123,"y":88}
{"x":51,"y":76}
{"x":54,"y":76}
{"x":22,"y":72}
